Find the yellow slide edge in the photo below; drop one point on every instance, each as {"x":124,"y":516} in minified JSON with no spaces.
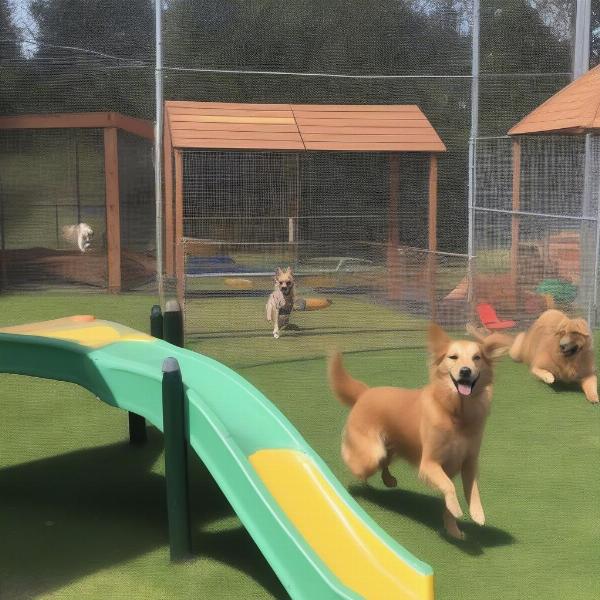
{"x":81,"y":329}
{"x":349,"y":548}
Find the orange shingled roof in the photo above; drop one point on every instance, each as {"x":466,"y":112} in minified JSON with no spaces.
{"x":574,"y":109}
{"x":372,"y":128}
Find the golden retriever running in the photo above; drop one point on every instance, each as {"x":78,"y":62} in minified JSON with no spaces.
{"x":557,"y":348}
{"x":438,"y":428}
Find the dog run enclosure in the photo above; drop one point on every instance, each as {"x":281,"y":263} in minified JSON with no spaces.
{"x":536,"y":213}
{"x":64,"y":169}
{"x":346,"y":194}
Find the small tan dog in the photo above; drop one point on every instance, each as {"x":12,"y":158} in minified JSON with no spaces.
{"x":437,"y":428}
{"x":281,"y":301}
{"x":558,"y":348}
{"x":80,"y":235}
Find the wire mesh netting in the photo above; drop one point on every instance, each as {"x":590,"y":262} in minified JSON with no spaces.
{"x":355,"y":228}
{"x":541,"y":252}
{"x":60,"y":56}
{"x":137,"y":212}
{"x":50,"y":179}
{"x":53,"y":181}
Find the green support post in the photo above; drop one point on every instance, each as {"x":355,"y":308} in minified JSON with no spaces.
{"x":156,"y":322}
{"x":173,"y":324}
{"x":137,"y":423}
{"x":137,"y":429}
{"x":176,"y":471}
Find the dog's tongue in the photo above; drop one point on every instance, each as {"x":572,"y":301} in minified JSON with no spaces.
{"x":464,"y":389}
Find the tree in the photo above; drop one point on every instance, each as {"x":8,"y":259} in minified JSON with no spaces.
{"x":94,"y":55}
{"x":113,"y":27}
{"x":10,"y":57}
{"x":10,"y":34}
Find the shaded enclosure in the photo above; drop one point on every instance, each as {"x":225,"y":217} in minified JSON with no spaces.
{"x":62,"y":170}
{"x":346,"y":195}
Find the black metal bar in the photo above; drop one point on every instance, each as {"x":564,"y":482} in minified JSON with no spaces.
{"x":176,"y":472}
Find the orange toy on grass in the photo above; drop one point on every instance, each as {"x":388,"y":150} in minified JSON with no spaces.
{"x":312,"y":303}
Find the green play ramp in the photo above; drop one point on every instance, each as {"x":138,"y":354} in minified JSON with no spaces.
{"x":317,"y":539}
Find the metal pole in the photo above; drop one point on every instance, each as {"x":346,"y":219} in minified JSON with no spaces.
{"x":581,"y":55}
{"x":176,"y":471}
{"x":581,"y":63}
{"x":473,"y":148}
{"x":158,"y":136}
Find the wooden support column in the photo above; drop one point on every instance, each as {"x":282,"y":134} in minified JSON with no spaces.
{"x":515,"y":224}
{"x":113,"y":219}
{"x":168,"y":203}
{"x":393,"y":258}
{"x":432,"y":228}
{"x":179,"y":257}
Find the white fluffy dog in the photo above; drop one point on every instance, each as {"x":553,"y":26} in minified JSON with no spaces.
{"x":80,"y":235}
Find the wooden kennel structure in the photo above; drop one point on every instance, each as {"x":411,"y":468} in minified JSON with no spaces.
{"x":574,"y":110}
{"x":299,"y":128}
{"x":110,"y":123}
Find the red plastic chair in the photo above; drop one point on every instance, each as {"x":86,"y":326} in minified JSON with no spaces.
{"x":489,"y":318}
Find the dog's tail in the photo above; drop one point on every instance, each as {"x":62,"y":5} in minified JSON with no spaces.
{"x":494,"y":339}
{"x":345,"y":388}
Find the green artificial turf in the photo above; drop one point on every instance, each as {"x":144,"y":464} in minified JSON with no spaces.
{"x":82,"y":513}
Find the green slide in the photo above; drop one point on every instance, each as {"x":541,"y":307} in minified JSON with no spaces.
{"x":319,"y":542}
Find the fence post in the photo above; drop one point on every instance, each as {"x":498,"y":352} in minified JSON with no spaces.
{"x":173,"y":324}
{"x":176,"y":474}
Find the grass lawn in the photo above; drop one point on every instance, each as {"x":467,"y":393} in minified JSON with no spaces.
{"x":82,"y":513}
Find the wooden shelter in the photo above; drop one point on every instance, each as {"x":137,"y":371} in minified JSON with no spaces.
{"x":110,"y":123}
{"x":295,"y":128}
{"x":574,"y":110}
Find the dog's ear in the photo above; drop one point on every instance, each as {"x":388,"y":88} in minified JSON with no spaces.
{"x":580,"y":326}
{"x":437,"y":341}
{"x":495,"y":346}
{"x":289,"y":270}
{"x":278,"y":272}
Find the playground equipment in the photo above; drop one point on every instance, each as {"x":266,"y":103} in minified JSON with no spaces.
{"x":320,"y":543}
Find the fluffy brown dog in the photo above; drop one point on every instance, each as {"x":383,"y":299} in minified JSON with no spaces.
{"x":438,"y":428}
{"x":557,"y":348}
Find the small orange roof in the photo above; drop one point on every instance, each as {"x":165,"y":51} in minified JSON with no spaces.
{"x":574,"y":109}
{"x":371,"y":128}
